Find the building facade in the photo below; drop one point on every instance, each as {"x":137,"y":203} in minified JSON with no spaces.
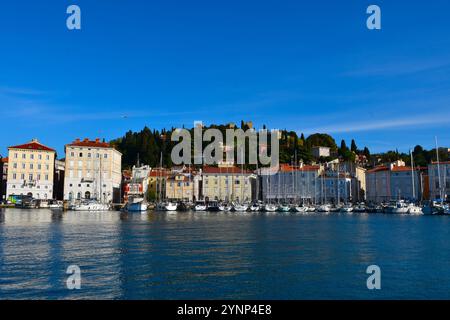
{"x":388,"y":183}
{"x":138,"y":184}
{"x":30,"y":170}
{"x":157,"y":184}
{"x":225,"y":183}
{"x":291,"y":184}
{"x":439,"y":188}
{"x":93,"y":171}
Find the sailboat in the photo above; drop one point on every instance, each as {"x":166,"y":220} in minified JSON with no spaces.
{"x":413,"y":208}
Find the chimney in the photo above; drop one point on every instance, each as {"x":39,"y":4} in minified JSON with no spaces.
{"x":97,"y":140}
{"x":86,"y":140}
{"x":77,"y":140}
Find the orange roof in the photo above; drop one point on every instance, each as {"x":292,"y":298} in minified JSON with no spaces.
{"x":401,"y":169}
{"x":225,"y":170}
{"x":5,"y":160}
{"x":289,"y":168}
{"x":377,"y":169}
{"x":90,"y":143}
{"x":159,"y":172}
{"x":33,"y":145}
{"x":440,"y":162}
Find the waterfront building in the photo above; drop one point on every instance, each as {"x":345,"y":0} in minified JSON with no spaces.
{"x":334,"y":188}
{"x":157,"y":184}
{"x":93,"y":171}
{"x":3,"y":177}
{"x":181,"y":185}
{"x":226,"y":183}
{"x":393,"y":182}
{"x":30,"y":170}
{"x":291,"y":183}
{"x":439,"y":188}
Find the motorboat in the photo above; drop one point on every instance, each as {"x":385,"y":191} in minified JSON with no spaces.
{"x":138,"y":206}
{"x":240,"y":207}
{"x":301,"y":209}
{"x":200,"y":206}
{"x":284,"y":208}
{"x":360,"y":207}
{"x":270,"y":207}
{"x":414,"y":209}
{"x":324,"y":208}
{"x":91,"y":205}
{"x":347,"y":208}
{"x":401,"y":207}
{"x":55,"y":204}
{"x":213,"y":206}
{"x":171,"y":206}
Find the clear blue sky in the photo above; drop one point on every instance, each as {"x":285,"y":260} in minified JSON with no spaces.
{"x":310,"y":66}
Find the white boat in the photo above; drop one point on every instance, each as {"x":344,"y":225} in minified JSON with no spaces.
{"x":161,"y":206}
{"x":270,"y":207}
{"x":240,"y":207}
{"x":55,"y":204}
{"x":225,"y":207}
{"x":414,"y":209}
{"x":324,"y":208}
{"x":255,"y":207}
{"x":200,"y":206}
{"x":171,"y":206}
{"x":361,"y":207}
{"x":311,"y":209}
{"x":347,"y":208}
{"x":284,"y":208}
{"x":138,"y":206}
{"x":91,"y":205}
{"x":400,"y":207}
{"x":301,"y":209}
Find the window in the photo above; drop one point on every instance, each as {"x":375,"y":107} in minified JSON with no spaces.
{"x":22,"y":176}
{"x":31,"y":156}
{"x":39,"y":166}
{"x":24,"y":156}
{"x":46,"y":177}
{"x":30,"y":177}
{"x":31,"y":166}
{"x":15,"y":155}
{"x":81,"y":154}
{"x":14,"y":176}
{"x":38,"y":177}
{"x":48,"y":157}
{"x":105,"y":156}
{"x":89,"y":155}
{"x":40,"y":157}
{"x":23,"y":165}
{"x":72,"y":154}
{"x":15,"y":165}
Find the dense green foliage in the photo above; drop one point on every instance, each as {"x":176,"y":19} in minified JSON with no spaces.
{"x":149,"y":145}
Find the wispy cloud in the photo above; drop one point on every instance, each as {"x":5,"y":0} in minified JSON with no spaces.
{"x":380,"y":124}
{"x":398,"y":68}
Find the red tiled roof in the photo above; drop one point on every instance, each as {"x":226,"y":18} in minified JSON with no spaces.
{"x":440,"y":162}
{"x":33,"y":145}
{"x":225,"y":170}
{"x":377,"y":169}
{"x":5,"y":160}
{"x":289,"y":168}
{"x":159,"y":172}
{"x":90,"y":143}
{"x":401,"y":169}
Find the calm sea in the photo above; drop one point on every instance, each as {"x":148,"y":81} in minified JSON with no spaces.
{"x":222,"y":256}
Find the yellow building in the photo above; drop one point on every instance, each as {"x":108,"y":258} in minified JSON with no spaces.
{"x":180,"y":187}
{"x":226,"y":183}
{"x":31,"y":168}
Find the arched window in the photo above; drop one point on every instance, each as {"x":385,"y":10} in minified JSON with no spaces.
{"x":87,"y":195}
{"x":79,"y":196}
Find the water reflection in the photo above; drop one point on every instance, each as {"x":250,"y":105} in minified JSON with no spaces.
{"x":187,"y":255}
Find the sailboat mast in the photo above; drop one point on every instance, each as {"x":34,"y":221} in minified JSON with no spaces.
{"x":412,"y":176}
{"x":439,"y":171}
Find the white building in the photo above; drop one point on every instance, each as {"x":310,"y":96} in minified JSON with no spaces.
{"x":318,"y":152}
{"x":31,"y":168}
{"x":291,"y":184}
{"x":93,"y":171}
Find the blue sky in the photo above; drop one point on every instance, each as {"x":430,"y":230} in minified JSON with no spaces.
{"x":310,"y":66}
